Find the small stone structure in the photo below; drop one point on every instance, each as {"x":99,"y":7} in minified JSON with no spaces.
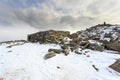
{"x":50,"y":36}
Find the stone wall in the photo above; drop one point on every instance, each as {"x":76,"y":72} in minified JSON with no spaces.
{"x":50,"y":36}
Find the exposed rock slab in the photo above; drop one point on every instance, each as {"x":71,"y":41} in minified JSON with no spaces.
{"x":116,"y":66}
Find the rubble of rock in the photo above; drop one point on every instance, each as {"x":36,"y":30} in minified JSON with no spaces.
{"x":116,"y":66}
{"x":78,"y":51}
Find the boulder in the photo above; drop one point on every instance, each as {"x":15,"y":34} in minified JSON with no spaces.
{"x":1,"y":78}
{"x":104,"y":41}
{"x":58,"y":51}
{"x":92,"y":46}
{"x":116,"y":66}
{"x":84,"y":44}
{"x":115,"y":45}
{"x":64,"y":47}
{"x":73,"y":48}
{"x":49,"y":55}
{"x":96,"y":47}
{"x":74,"y":44}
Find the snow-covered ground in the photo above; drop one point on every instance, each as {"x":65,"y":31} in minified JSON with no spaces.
{"x":26,"y":62}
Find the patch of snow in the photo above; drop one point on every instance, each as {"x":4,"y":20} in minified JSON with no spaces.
{"x":67,"y":40}
{"x":115,"y":35}
{"x":26,"y":62}
{"x":94,"y":41}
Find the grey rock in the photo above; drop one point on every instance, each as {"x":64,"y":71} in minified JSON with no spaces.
{"x":66,"y":51}
{"x":116,"y":66}
{"x":49,"y":55}
{"x":58,"y":51}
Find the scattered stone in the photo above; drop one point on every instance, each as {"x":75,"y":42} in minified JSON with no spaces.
{"x":87,"y":51}
{"x":9,"y":51}
{"x":88,"y":55}
{"x":84,"y":44}
{"x":8,"y":46}
{"x":1,"y":62}
{"x":95,"y":68}
{"x":78,"y":51}
{"x":58,"y":51}
{"x":66,"y":51}
{"x":84,"y":53}
{"x":49,"y":55}
{"x":58,"y":67}
{"x":116,"y":66}
{"x":74,"y":48}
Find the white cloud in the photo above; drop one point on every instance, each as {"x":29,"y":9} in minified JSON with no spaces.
{"x":58,"y":14}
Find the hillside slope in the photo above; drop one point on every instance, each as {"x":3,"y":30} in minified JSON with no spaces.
{"x":26,"y":62}
{"x":106,"y":32}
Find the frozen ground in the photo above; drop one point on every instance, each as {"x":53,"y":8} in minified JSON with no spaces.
{"x":26,"y":62}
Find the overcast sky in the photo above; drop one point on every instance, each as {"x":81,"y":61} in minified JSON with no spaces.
{"x":21,"y":17}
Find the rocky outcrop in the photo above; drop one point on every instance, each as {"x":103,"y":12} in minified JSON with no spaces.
{"x":116,"y":66}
